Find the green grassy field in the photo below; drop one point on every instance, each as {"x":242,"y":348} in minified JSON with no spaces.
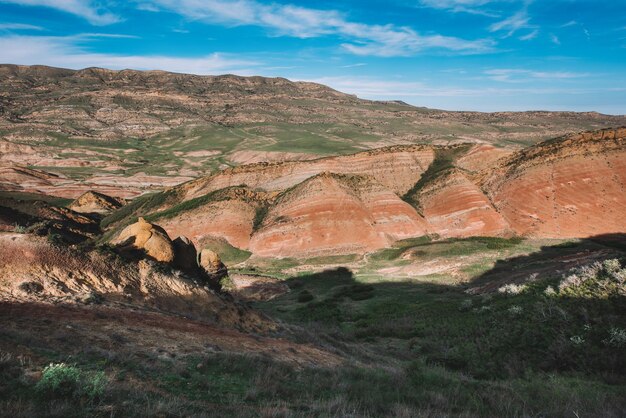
{"x":412,"y":347}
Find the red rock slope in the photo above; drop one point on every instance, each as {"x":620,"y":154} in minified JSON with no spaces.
{"x":574,"y":186}
{"x":397,"y":168}
{"x":456,"y":207}
{"x":335,"y":214}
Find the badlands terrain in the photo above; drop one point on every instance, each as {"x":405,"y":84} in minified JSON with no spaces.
{"x":179,"y":245}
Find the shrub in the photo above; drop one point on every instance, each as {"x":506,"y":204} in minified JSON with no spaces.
{"x":611,"y":266}
{"x":67,"y":381}
{"x":577,"y":339}
{"x":617,"y":338}
{"x":512,"y":289}
{"x":599,"y":278}
{"x":549,"y":291}
{"x":466,"y":305}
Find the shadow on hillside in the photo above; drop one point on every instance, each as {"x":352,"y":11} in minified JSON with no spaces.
{"x":466,"y":327}
{"x":550,"y":261}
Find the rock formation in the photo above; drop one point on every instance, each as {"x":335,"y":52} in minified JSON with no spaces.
{"x":397,"y":168}
{"x":94,"y":202}
{"x":568,"y":187}
{"x":185,"y":255}
{"x":147,"y":237}
{"x":211,"y":263}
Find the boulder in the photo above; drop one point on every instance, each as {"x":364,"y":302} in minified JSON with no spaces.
{"x":211,"y":263}
{"x":185,"y":255}
{"x":94,"y":202}
{"x":150,"y":238}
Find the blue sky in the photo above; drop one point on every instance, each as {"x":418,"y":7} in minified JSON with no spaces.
{"x":485,"y":55}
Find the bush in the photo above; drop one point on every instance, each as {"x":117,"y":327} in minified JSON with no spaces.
{"x":66,"y":381}
{"x":617,"y":338}
{"x":512,"y":289}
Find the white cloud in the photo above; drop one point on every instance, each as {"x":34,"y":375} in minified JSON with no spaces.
{"x":19,"y":26}
{"x":512,"y":24}
{"x":87,"y":9}
{"x":466,"y":6}
{"x":66,"y":52}
{"x":555,"y":39}
{"x":521,"y":75}
{"x":301,"y":22}
{"x":379,"y":89}
{"x":530,"y":36}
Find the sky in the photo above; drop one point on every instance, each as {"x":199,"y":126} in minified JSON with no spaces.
{"x":484,"y":55}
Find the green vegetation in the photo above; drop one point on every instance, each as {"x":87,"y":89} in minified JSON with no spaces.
{"x":259,"y":217}
{"x":444,"y":160}
{"x":229,"y":255}
{"x":515,"y":333}
{"x":411,"y":347}
{"x":27,"y":197}
{"x":68,"y":381}
{"x":424,"y":247}
{"x":137,"y":207}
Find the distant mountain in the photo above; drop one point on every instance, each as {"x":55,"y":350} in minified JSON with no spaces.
{"x":97,"y":128}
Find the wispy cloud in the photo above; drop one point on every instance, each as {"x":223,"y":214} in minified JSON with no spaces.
{"x":378,"y":89}
{"x":87,"y":9}
{"x":555,"y":39}
{"x":530,"y":36}
{"x":19,"y":26}
{"x":358,"y":64}
{"x":67,"y":52}
{"x":522,"y":75}
{"x":301,"y":22}
{"x":520,"y":20}
{"x":462,"y":6}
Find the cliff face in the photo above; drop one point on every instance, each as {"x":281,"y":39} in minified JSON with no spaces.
{"x":569,"y":187}
{"x":331,"y":214}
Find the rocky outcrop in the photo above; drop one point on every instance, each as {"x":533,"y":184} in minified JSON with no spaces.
{"x":145,"y":239}
{"x":574,"y":186}
{"x":94,"y":202}
{"x":149,"y":238}
{"x":335,"y":214}
{"x":34,"y":271}
{"x":211,"y":263}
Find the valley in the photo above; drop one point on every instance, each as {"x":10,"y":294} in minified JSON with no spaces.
{"x":179,"y":245}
